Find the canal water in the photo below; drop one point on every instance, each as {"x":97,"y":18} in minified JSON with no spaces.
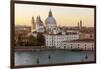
{"x":52,"y":57}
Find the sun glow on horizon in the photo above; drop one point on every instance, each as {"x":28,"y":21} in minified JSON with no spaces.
{"x":65,"y":16}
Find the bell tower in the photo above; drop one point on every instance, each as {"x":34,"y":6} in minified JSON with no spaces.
{"x":33,"y":26}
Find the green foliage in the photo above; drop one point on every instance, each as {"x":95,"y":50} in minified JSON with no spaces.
{"x":31,"y":40}
{"x":19,"y":39}
{"x":40,"y":39}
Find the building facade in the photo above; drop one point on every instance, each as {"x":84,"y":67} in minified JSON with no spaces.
{"x":87,"y":35}
{"x":33,"y":25}
{"x":85,"y":44}
{"x":39,"y":25}
{"x":70,"y":38}
{"x":54,"y":40}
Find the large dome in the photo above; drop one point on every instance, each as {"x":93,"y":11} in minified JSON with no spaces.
{"x":50,"y":22}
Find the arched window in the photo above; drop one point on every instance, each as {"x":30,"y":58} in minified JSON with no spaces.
{"x":64,"y":46}
{"x":71,"y":47}
{"x":85,"y":44}
{"x":78,"y":44}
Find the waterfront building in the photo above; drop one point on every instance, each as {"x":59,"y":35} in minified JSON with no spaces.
{"x":80,"y":44}
{"x":54,"y":40}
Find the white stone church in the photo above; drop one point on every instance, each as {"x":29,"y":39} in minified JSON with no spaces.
{"x":54,"y":36}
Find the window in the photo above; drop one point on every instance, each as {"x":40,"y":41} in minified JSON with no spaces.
{"x":85,"y":44}
{"x":78,"y":44}
{"x":71,"y":44}
{"x":91,"y":36}
{"x":85,"y":47}
{"x":71,"y":47}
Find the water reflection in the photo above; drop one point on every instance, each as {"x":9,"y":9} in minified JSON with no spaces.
{"x":51,"y":57}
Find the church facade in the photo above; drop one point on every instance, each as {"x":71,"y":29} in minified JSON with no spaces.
{"x":53,"y":35}
{"x":50,"y":24}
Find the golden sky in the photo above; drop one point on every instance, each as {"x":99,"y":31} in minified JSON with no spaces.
{"x":65,"y":16}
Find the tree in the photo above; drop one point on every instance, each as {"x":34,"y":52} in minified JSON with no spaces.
{"x":32,"y":41}
{"x":40,"y":39}
{"x":19,"y":42}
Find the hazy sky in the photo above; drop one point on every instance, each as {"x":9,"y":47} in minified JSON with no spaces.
{"x":65,"y":16}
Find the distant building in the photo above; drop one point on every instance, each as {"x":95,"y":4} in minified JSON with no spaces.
{"x":86,"y":35}
{"x":21,"y":33}
{"x":33,"y":25}
{"x":80,"y":25}
{"x":39,"y":25}
{"x":80,"y":44}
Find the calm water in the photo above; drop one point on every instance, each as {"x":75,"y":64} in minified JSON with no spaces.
{"x":51,"y":57}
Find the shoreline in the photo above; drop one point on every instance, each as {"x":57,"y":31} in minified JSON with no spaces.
{"x":23,"y":48}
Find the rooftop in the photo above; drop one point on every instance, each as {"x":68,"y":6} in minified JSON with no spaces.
{"x":81,"y":40}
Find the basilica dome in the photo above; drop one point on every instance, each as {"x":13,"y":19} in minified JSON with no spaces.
{"x":50,"y":21}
